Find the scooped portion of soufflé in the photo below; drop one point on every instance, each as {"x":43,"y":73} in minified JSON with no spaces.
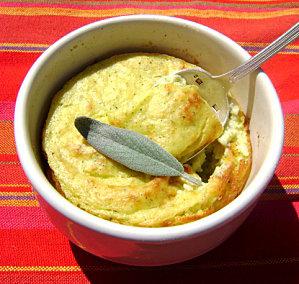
{"x":133,"y":91}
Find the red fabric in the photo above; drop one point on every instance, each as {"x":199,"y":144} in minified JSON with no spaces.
{"x":265,"y":248}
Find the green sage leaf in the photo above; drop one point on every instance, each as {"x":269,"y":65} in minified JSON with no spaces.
{"x":131,"y":149}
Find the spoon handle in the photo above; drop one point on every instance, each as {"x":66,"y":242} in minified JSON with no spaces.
{"x":256,"y":61}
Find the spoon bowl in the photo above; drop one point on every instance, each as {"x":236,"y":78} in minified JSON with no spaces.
{"x":212,"y":89}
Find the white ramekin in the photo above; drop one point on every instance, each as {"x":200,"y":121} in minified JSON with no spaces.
{"x":185,"y":39}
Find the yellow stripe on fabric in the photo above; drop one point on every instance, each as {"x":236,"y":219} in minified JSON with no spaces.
{"x":23,"y":44}
{"x":285,"y":186}
{"x":290,"y":177}
{"x":16,"y":193}
{"x":7,"y":141}
{"x":290,"y":154}
{"x":9,"y":162}
{"x":15,"y":185}
{"x":162,"y":3}
{"x":291,"y":130}
{"x":40,"y":268}
{"x":69,"y":12}
{"x":19,"y":203}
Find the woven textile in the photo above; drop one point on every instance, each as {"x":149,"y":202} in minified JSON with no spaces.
{"x":265,"y":248}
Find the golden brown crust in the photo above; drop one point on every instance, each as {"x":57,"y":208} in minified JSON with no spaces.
{"x":191,"y":106}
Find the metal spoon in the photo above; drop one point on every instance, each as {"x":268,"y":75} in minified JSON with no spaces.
{"x":215,"y":88}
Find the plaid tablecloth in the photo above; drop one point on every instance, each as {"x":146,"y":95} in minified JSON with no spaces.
{"x":264,"y":249}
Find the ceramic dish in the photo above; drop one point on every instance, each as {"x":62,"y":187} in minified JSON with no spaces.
{"x":192,"y":42}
